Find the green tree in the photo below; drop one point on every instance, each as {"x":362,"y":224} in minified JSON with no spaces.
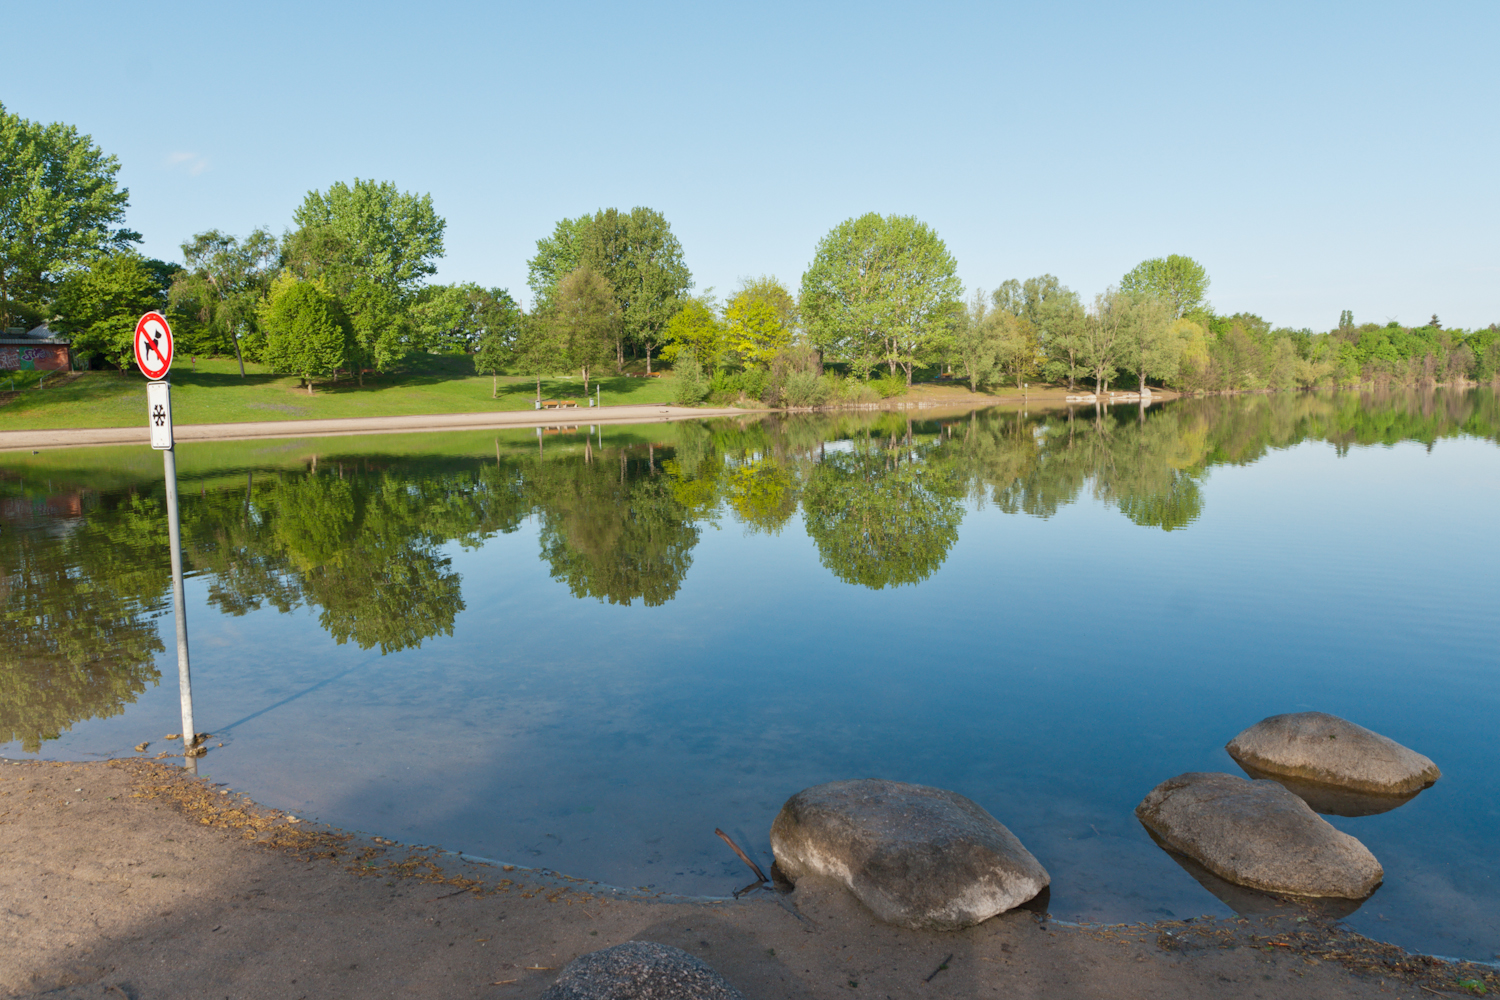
{"x":756,"y":323}
{"x":60,"y":208}
{"x":585,"y":322}
{"x":98,"y":306}
{"x":1151,"y":346}
{"x":641,"y":258}
{"x":976,"y":342}
{"x":1102,"y":341}
{"x":373,"y":246}
{"x":556,"y":256}
{"x":223,"y":284}
{"x":458,"y":318}
{"x":307,"y":332}
{"x":1059,"y":323}
{"x":881,"y":288}
{"x":695,"y":332}
{"x":1180,"y":280}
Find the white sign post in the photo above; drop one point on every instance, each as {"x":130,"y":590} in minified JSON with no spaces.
{"x":153,"y":355}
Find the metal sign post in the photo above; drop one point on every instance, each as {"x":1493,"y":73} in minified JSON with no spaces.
{"x":153,"y":354}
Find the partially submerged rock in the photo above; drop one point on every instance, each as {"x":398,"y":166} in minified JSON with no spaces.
{"x":1331,"y":800}
{"x":1258,"y":834}
{"x":1328,"y":750}
{"x":918,"y":857}
{"x":640,"y":970}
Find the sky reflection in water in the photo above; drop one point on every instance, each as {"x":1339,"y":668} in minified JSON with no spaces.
{"x":1049,"y":615}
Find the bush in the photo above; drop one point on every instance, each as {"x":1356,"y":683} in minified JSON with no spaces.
{"x":804,"y":389}
{"x":691,"y":387}
{"x":887,"y":386}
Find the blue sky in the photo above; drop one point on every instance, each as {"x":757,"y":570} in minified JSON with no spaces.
{"x":1314,"y":157}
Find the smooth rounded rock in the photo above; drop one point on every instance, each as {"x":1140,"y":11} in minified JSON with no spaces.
{"x":1328,"y":750}
{"x":640,"y":970}
{"x":1258,"y":834}
{"x":918,"y":857}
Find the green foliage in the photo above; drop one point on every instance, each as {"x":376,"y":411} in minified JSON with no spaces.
{"x":695,"y":331}
{"x":641,"y":258}
{"x":307,"y":333}
{"x":220,"y":290}
{"x":1180,"y":280}
{"x":691,"y":385}
{"x":585,"y":322}
{"x":756,"y":326}
{"x":60,"y":208}
{"x":881,"y":288}
{"x":372,"y":246}
{"x":460,"y":318}
{"x":556,"y":256}
{"x":99,"y":306}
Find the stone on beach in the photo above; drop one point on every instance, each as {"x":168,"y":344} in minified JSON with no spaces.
{"x":1258,"y":834}
{"x":918,"y":857}
{"x":640,"y":970}
{"x":1323,"y":748}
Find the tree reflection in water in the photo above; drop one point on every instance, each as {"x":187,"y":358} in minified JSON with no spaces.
{"x":881,"y":497}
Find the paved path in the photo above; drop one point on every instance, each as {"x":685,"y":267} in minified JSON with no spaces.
{"x":84,"y":436}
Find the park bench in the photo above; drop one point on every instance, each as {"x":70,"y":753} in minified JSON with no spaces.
{"x":559,"y":404}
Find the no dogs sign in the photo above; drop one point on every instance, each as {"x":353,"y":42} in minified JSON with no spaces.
{"x":153,"y":346}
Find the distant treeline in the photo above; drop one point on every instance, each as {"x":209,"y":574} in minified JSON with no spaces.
{"x":345,"y":289}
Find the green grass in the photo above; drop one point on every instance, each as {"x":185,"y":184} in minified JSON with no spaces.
{"x":212,"y":392}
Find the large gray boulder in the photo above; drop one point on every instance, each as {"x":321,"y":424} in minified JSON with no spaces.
{"x":640,"y":970}
{"x":918,"y":857}
{"x":1328,"y":750}
{"x":1258,"y":834}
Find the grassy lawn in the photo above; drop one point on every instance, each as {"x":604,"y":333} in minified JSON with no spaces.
{"x":212,"y":392}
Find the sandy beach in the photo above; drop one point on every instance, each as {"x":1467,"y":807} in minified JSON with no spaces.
{"x":133,"y":879}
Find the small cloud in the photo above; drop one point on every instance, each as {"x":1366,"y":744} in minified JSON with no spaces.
{"x":194,"y":163}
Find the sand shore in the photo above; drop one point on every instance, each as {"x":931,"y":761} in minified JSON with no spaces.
{"x":131,"y":879}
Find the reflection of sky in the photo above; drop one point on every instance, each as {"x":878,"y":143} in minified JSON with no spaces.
{"x":1053,"y":670}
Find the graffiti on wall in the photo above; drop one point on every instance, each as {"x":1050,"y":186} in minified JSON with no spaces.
{"x":42,"y":357}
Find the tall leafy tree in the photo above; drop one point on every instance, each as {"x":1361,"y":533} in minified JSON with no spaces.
{"x":758,"y":320}
{"x":555,"y":257}
{"x":1102,"y":340}
{"x":98,"y":306}
{"x":1059,"y":326}
{"x":641,"y":258}
{"x":585,"y":322}
{"x":223,"y":284}
{"x":1180,"y":280}
{"x":307,"y":332}
{"x":60,"y":207}
{"x":373,"y":246}
{"x":881,"y":288}
{"x":1151,"y":344}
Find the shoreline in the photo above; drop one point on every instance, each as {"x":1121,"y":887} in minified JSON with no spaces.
{"x":134,"y":877}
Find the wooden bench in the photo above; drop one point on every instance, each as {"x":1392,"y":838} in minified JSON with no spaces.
{"x":559,"y":404}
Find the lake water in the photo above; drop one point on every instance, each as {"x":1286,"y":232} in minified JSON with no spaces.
{"x":584,"y":650}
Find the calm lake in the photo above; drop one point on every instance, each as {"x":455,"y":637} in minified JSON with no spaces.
{"x":585,"y":649}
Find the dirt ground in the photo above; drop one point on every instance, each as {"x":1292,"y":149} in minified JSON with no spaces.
{"x":132,"y":879}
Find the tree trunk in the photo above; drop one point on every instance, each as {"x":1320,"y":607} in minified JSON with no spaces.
{"x":237,"y":355}
{"x":648,"y":357}
{"x":309,"y":385}
{"x":494,"y":386}
{"x":585,"y":381}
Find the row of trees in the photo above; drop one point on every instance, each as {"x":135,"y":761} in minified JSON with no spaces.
{"x":346,"y":287}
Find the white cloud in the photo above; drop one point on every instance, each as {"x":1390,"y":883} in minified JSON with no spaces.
{"x":192,"y":162}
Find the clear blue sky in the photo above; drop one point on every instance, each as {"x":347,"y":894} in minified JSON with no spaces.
{"x":1315,"y":157}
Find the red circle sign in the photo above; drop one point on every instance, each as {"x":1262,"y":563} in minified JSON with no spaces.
{"x":153,"y":345}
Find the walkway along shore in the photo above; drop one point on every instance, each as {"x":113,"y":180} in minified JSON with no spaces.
{"x":133,"y":879}
{"x":337,"y":427}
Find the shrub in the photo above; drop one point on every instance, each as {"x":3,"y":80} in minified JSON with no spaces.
{"x":691,"y":387}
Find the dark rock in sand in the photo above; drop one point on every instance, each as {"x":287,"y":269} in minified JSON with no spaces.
{"x":918,"y":857}
{"x":640,"y":970}
{"x":1258,"y":834}
{"x":1326,"y":750}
